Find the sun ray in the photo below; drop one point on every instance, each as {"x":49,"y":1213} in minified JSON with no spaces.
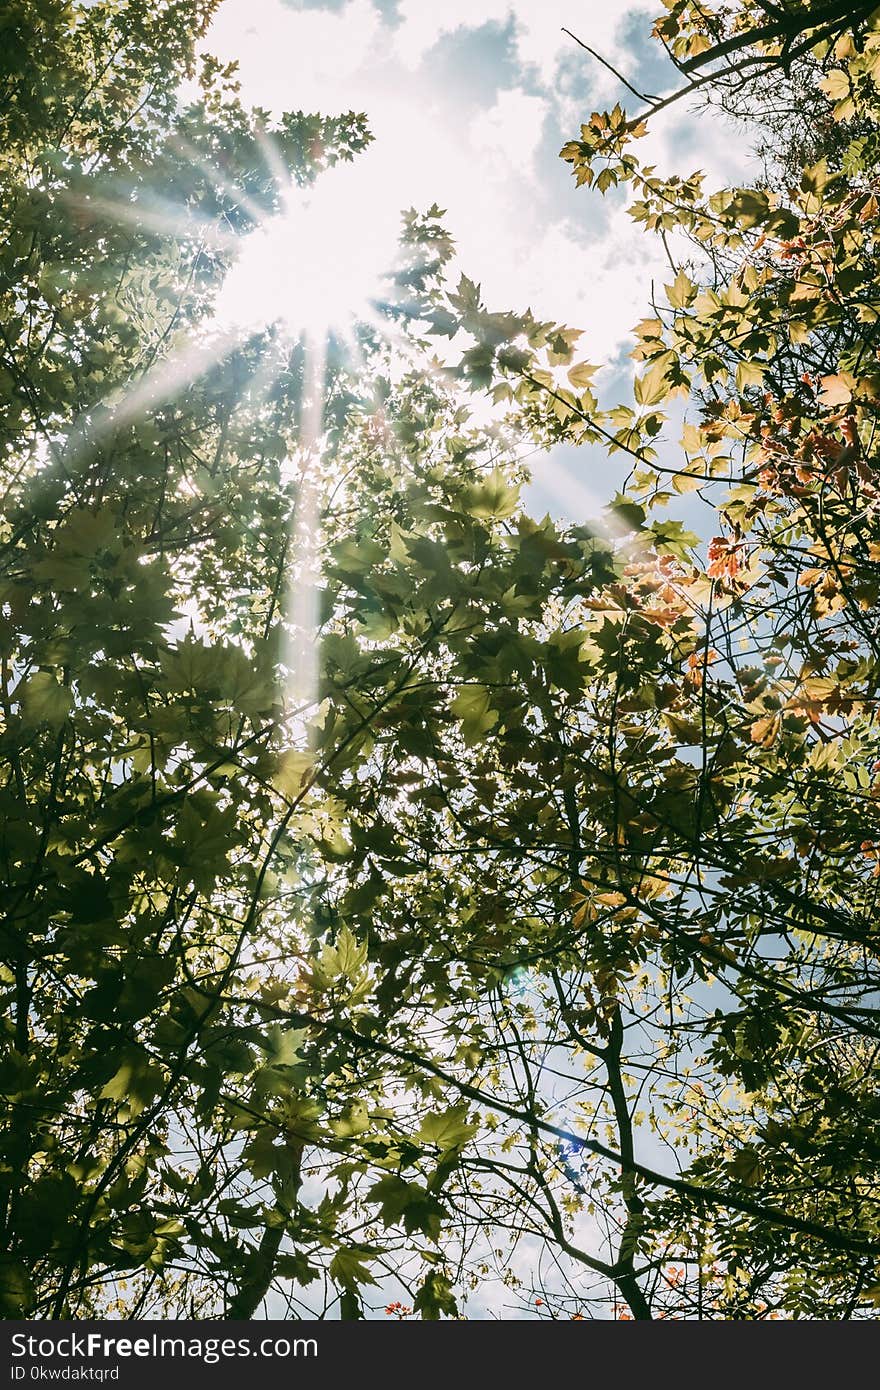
{"x":305,"y":272}
{"x":162,"y":383}
{"x":220,"y":182}
{"x":162,"y":217}
{"x":274,"y":162}
{"x":301,"y":598}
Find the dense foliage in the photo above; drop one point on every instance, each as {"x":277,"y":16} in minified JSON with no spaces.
{"x":539,"y":945}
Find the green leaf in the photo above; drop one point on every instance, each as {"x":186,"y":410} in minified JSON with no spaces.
{"x":747,"y":1167}
{"x":345,"y":959}
{"x":471,"y":707}
{"x":408,"y":1202}
{"x":673,"y":538}
{"x":44,"y":700}
{"x":282,"y":1045}
{"x":135,"y":1083}
{"x":748,"y":206}
{"x":348,"y":1267}
{"x":434,"y":1298}
{"x":16,"y":1289}
{"x":355,"y":1120}
{"x":493,"y":498}
{"x":449,"y":1129}
{"x":623,"y":509}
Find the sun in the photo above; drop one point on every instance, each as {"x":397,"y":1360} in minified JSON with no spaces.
{"x":317,"y":266}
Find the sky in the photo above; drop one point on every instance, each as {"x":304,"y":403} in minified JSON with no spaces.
{"x":469,"y":102}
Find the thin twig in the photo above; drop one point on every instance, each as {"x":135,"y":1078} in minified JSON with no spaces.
{"x":642,"y":96}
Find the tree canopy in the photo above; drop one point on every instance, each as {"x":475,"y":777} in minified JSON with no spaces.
{"x":538,"y":943}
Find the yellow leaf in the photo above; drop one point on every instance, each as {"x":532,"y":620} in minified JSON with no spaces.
{"x":293,"y":771}
{"x":836,"y":84}
{"x":654,"y":386}
{"x":681,"y":291}
{"x":807,"y":578}
{"x":766,"y":731}
{"x":581,"y":375}
{"x":691,"y":439}
{"x":749,"y":374}
{"x":837,"y":389}
{"x":819,"y":688}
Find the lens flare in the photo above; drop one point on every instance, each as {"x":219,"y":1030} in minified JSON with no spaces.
{"x":517,"y":981}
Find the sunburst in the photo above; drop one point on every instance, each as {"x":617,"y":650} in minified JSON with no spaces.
{"x":313,"y":268}
{"x":317,"y":265}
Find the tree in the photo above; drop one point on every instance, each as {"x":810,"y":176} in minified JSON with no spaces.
{"x":776,"y":350}
{"x":740,"y":46}
{"x":127,"y":849}
{"x":546,"y":927}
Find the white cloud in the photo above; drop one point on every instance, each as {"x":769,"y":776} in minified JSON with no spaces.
{"x":538,"y":26}
{"x":296,"y":59}
{"x":512,"y":128}
{"x":423,"y":24}
{"x":601,"y":285}
{"x":588,"y":264}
